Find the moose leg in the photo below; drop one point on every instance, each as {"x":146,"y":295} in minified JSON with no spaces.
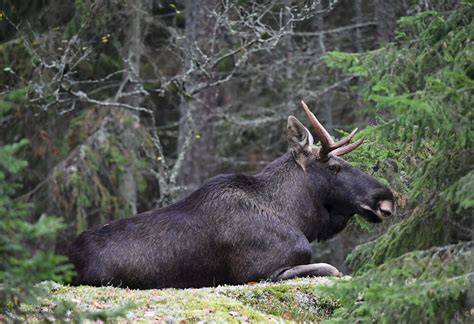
{"x":305,"y":270}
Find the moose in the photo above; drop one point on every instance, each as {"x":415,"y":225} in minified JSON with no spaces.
{"x":239,"y":228}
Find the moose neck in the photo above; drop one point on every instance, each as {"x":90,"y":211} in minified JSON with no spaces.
{"x":288,"y":191}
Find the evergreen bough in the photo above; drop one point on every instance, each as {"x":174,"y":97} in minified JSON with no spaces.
{"x":23,"y":260}
{"x":422,"y":84}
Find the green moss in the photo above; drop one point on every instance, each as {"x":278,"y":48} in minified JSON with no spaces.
{"x":204,"y":305}
{"x":300,"y":302}
{"x":221,"y":304}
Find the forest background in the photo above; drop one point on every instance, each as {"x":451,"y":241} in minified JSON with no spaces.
{"x":111,"y":108}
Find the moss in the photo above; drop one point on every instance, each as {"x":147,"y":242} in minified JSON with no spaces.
{"x":299,"y":302}
{"x":220,"y":304}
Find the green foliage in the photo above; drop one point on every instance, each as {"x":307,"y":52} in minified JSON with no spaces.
{"x":394,"y":243}
{"x":104,"y":64}
{"x":418,"y":287}
{"x":423,"y":84}
{"x":379,"y":157}
{"x":11,"y":99}
{"x":10,"y":164}
{"x":22,"y":262}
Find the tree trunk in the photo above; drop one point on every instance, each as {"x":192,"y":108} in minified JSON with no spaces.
{"x":386,"y":21}
{"x":197,"y":111}
{"x":135,"y":33}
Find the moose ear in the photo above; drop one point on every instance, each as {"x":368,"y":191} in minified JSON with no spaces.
{"x":300,"y":140}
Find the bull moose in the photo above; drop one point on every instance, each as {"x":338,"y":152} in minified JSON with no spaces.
{"x":239,"y":228}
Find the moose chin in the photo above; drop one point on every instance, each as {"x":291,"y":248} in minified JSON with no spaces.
{"x":239,"y":228}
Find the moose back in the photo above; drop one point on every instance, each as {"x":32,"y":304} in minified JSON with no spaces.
{"x":239,"y":228}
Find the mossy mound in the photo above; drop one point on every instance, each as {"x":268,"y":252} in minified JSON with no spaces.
{"x":294,"y":300}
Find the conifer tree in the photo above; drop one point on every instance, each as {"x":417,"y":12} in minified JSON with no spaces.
{"x":23,"y":259}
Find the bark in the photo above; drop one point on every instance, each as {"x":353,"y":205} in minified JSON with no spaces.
{"x":135,"y":32}
{"x":197,"y":112}
{"x":386,"y":20}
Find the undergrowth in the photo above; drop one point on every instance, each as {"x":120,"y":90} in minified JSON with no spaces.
{"x":419,"y":287}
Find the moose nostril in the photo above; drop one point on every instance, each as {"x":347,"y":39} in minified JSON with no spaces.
{"x":386,"y":207}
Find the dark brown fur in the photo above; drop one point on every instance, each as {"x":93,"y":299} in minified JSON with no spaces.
{"x":234,"y":229}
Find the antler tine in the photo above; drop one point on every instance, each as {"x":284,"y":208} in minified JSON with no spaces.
{"x":346,"y":149}
{"x":344,"y":141}
{"x":323,"y":135}
{"x":328,"y":146}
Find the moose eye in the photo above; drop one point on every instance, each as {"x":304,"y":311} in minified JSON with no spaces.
{"x":335,"y":168}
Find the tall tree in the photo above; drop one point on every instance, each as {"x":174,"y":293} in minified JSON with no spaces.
{"x":197,"y":112}
{"x":132,"y":51}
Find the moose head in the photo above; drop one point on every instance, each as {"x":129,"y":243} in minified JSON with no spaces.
{"x":340,"y":189}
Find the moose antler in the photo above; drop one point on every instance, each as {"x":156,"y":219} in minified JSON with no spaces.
{"x":328,"y":146}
